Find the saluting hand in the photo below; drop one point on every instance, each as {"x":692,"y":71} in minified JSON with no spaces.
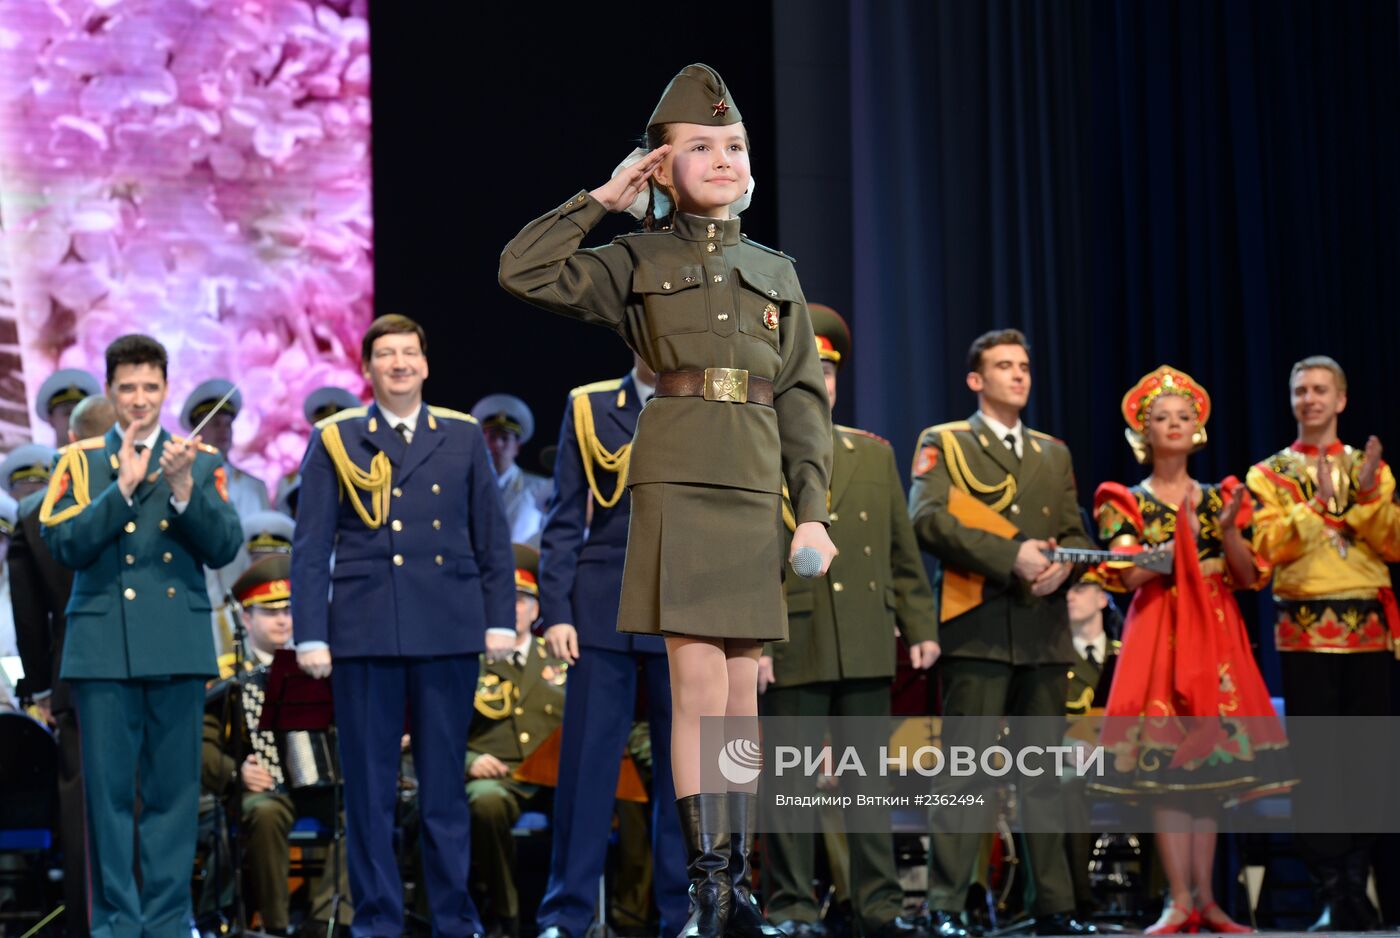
{"x":622,"y":190}
{"x":133,"y":465}
{"x":1372,"y":463}
{"x":176,"y":462}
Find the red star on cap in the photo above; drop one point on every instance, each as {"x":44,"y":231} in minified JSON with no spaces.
{"x":720,"y":108}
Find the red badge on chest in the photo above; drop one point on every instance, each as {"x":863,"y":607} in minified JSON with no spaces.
{"x":770,"y":316}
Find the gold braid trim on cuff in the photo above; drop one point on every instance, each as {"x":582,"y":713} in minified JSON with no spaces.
{"x":72,"y":465}
{"x":963,"y":478}
{"x":593,"y":451}
{"x":353,"y":479}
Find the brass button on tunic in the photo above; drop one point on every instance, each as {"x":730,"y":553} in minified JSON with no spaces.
{"x":705,"y":549}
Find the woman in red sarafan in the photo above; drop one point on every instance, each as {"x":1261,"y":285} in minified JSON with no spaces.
{"x":1188,"y":722}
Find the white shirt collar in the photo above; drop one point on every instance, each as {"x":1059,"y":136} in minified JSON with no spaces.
{"x":264,"y":657}
{"x":644,"y":391}
{"x":395,"y":419}
{"x":999,"y":430}
{"x":149,"y":442}
{"x":524,"y":645}
{"x":1100,"y":646}
{"x":507,"y":477}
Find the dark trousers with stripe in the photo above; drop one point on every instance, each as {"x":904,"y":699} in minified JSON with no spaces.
{"x":597,"y":718}
{"x":371,"y":697}
{"x":151,"y":730}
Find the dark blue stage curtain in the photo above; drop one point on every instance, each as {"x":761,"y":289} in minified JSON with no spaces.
{"x":1211,"y":184}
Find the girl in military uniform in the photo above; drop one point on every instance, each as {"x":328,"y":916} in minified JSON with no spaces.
{"x":740,"y":405}
{"x":1185,"y":653}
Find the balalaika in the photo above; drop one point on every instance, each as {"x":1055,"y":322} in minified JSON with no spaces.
{"x":962,"y":589}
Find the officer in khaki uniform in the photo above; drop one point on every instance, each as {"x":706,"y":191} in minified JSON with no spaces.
{"x":1088,"y":681}
{"x":1005,"y":632}
{"x":839,"y":659}
{"x":267,"y":806}
{"x":519,"y":702}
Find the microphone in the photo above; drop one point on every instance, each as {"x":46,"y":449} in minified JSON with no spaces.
{"x":807,"y":562}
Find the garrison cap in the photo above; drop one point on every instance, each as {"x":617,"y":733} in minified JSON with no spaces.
{"x":203,"y":398}
{"x":696,"y":96}
{"x":267,"y":583}
{"x":32,"y":461}
{"x":327,"y":401}
{"x":833,"y":334}
{"x":66,"y":384}
{"x":508,"y":411}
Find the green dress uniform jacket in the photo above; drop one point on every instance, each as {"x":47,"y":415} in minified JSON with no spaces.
{"x":139,"y":606}
{"x":516,"y":708}
{"x":842,"y":625}
{"x":1036,"y":494}
{"x":1088,"y":681}
{"x":697,"y":296}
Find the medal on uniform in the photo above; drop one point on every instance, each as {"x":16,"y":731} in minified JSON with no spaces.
{"x":770,"y":316}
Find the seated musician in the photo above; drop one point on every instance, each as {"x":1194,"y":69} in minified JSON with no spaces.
{"x":519,"y":703}
{"x":264,"y":594}
{"x":1093,"y":623}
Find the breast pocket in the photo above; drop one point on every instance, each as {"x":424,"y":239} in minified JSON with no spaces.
{"x":761,"y":300}
{"x":671,"y":297}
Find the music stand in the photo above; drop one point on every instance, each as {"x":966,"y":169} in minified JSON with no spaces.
{"x":296,"y":701}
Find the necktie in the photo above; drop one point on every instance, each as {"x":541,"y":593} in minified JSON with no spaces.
{"x":404,"y":432}
{"x":517,"y":658}
{"x":1091,"y":654}
{"x":1011,"y":444}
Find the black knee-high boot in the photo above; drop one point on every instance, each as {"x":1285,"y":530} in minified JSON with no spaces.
{"x":705,"y":824}
{"x":746,"y":918}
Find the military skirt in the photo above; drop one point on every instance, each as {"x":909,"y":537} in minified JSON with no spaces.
{"x":704,"y":560}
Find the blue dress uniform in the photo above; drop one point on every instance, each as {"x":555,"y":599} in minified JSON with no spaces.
{"x":136,"y":655}
{"x":581,"y":583}
{"x":414,"y":553}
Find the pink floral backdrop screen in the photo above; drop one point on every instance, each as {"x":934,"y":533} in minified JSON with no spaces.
{"x":197,"y":170}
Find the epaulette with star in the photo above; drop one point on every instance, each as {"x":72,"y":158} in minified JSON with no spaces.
{"x":340,"y":415}
{"x":763,"y":247}
{"x":1045,"y":436}
{"x":865,"y":433}
{"x":449,"y":414}
{"x":951,"y":426}
{"x":92,"y":442}
{"x":612,"y":384}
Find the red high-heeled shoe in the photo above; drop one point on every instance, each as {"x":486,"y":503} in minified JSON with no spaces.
{"x":1174,"y":921}
{"x":1213,"y":920}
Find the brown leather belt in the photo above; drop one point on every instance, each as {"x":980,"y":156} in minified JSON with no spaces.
{"x":729,"y":385}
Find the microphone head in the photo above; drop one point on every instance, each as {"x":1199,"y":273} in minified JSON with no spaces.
{"x":807,"y":562}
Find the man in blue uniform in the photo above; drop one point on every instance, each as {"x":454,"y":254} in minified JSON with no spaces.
{"x":400,"y":523}
{"x":580,"y":587}
{"x":138,"y":514}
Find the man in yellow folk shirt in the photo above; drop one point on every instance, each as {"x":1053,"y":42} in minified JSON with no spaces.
{"x":1327,"y":525}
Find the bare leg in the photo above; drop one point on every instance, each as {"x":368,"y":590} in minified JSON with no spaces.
{"x":1203,"y":831}
{"x":1173,"y":832}
{"x":699,"y":688}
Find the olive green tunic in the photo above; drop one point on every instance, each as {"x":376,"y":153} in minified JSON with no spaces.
{"x":706,"y":477}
